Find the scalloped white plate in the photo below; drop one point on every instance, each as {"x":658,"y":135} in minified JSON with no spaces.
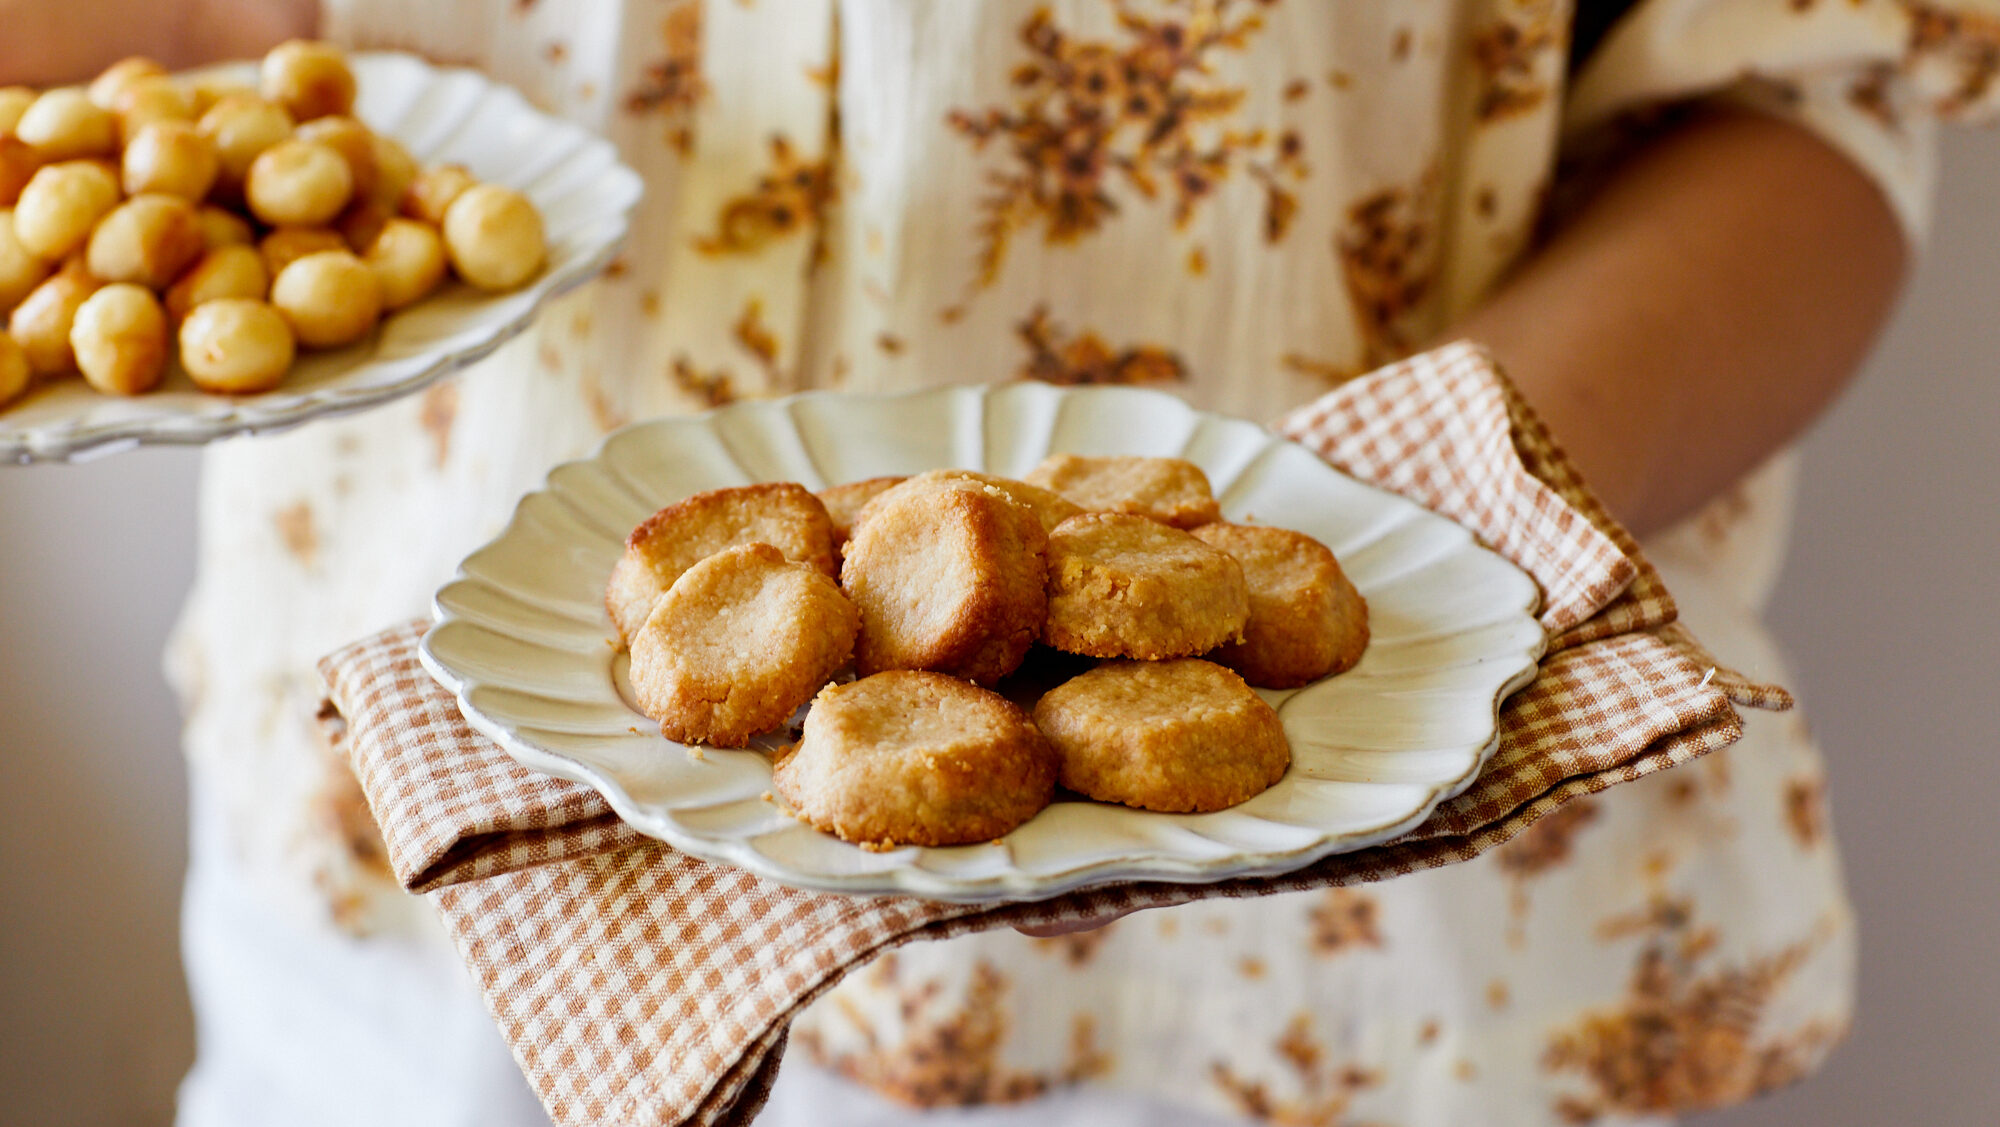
{"x":523,"y":639}
{"x":443,"y":115}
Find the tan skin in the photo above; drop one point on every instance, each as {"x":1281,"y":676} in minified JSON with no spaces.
{"x":1690,"y":320}
{"x":1700,"y":311}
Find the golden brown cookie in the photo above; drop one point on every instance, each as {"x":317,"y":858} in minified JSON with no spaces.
{"x":1306,"y":620}
{"x":1049,"y":508}
{"x":844,"y":502}
{"x":782,"y":514}
{"x":1179,"y":736}
{"x":738,"y":643}
{"x":914,"y":758}
{"x":1122,"y":585}
{"x":1170,"y":490}
{"x":948,"y":579}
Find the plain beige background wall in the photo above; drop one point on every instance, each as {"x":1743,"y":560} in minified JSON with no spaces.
{"x":1890,"y":608}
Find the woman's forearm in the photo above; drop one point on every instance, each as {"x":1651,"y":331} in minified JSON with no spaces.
{"x":47,"y":42}
{"x":1699,"y":311}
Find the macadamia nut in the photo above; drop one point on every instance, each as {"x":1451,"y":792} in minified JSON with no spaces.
{"x":112,"y":80}
{"x":119,"y":336}
{"x":309,"y":78}
{"x":354,"y":142}
{"x":433,"y":190}
{"x":61,"y":204}
{"x":241,"y":127}
{"x":329,"y":299}
{"x":63,"y":124}
{"x":287,"y":245}
{"x":226,"y":271}
{"x":298,"y":183}
{"x":494,"y":237}
{"x":148,"y":100}
{"x":147,"y":239}
{"x":395,"y":171}
{"x":235,"y":346}
{"x":408,"y":259}
{"x":18,"y":163}
{"x":41,"y":323}
{"x":14,"y":101}
{"x":20,"y":271}
{"x":171,"y":157}
{"x":221,"y":227}
{"x":14,"y":373}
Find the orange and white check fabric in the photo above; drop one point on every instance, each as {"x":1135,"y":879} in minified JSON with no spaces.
{"x":638,"y":985}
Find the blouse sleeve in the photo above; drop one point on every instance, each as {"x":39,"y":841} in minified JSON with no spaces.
{"x":1873,"y":77}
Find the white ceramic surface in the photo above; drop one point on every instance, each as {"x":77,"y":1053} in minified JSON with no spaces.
{"x":444,"y":116}
{"x":523,"y":639}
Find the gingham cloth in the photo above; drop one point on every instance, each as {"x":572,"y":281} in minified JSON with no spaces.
{"x":638,"y":985}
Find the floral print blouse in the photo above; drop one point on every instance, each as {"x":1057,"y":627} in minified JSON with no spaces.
{"x":1243,"y":202}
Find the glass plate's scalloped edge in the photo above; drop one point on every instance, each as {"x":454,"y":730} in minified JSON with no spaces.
{"x":920,"y":883}
{"x":243,"y":416}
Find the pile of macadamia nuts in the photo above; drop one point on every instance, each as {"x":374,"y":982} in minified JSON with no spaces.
{"x":147,"y":211}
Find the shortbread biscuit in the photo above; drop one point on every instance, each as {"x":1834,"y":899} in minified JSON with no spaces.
{"x":1184,"y":736}
{"x":1306,"y":620}
{"x":1170,"y":490}
{"x":948,"y":579}
{"x":1049,"y":508}
{"x":845,"y":501}
{"x":738,"y":643}
{"x":915,"y":758}
{"x":784,"y":515}
{"x":1122,"y":585}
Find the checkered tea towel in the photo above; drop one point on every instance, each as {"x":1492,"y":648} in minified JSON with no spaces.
{"x":638,"y":985}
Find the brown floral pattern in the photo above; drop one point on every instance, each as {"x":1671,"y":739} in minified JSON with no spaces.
{"x":1078,"y":947}
{"x":297,"y":532}
{"x":789,"y":197}
{"x":1805,"y":810}
{"x":951,"y":1059}
{"x":1966,"y":43}
{"x":1541,"y":847}
{"x":437,"y":411}
{"x":1388,"y":251}
{"x":672,"y":85}
{"x":712,"y":387}
{"x":1142,"y":114}
{"x":1512,"y":57}
{"x":339,"y":811}
{"x":756,"y":338}
{"x":1686,"y":1035}
{"x":1344,"y":919}
{"x":604,"y":412}
{"x":1325,"y":1091}
{"x":1060,"y":357}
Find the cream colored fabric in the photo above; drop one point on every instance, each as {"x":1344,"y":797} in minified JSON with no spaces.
{"x":531,"y":872}
{"x":1242,"y":201}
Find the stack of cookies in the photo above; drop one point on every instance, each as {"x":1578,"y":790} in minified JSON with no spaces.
{"x":1094,"y":625}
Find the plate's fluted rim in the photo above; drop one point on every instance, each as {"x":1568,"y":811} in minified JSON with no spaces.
{"x":1512,"y":668}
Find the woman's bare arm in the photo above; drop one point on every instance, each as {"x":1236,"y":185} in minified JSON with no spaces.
{"x":1700,"y":310}
{"x":47,"y":42}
